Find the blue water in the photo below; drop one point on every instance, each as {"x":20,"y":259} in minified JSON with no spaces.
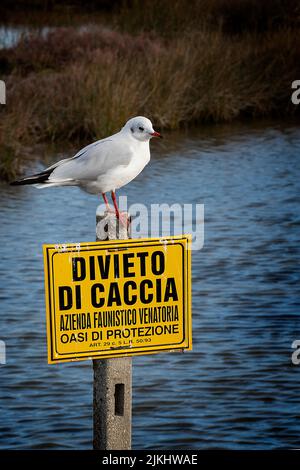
{"x":237,"y":389}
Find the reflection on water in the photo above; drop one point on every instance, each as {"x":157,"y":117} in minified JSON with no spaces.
{"x":10,"y":35}
{"x":237,"y":389}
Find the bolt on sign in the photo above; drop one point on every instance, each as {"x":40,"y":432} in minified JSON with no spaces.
{"x":118,"y":298}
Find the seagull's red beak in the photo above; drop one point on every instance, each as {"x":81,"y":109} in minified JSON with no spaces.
{"x":156,"y":134}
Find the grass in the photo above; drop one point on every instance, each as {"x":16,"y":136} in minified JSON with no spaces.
{"x":77,"y":85}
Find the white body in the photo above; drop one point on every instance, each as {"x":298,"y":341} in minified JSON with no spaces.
{"x":107,"y":164}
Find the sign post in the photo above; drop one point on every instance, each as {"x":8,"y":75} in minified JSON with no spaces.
{"x":110,"y":300}
{"x":112,"y":389}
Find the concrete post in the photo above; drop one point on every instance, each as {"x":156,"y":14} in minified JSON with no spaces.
{"x":112,"y":377}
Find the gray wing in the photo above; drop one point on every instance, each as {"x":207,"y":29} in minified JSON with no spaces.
{"x":92,"y":161}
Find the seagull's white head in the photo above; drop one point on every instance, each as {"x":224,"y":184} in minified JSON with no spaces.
{"x":141,"y":128}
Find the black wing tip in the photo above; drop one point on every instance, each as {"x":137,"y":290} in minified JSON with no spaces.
{"x":23,"y":181}
{"x":34,"y":179}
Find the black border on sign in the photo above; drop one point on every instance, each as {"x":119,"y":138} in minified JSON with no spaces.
{"x":134,"y":347}
{"x":121,"y":352}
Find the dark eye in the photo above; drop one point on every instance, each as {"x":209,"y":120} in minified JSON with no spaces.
{"x":141,"y":128}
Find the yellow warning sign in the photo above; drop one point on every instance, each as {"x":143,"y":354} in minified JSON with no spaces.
{"x":118,"y":298}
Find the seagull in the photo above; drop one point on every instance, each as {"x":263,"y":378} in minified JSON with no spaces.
{"x":103,"y":166}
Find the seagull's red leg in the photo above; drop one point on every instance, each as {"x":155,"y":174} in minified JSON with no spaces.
{"x":122,"y":216}
{"x":106,"y":203}
{"x":113,"y":195}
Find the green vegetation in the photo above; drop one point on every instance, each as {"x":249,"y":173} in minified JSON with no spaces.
{"x":179,"y":63}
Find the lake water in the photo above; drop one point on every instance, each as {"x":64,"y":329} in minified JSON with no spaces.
{"x":10,"y":35}
{"x":237,"y":389}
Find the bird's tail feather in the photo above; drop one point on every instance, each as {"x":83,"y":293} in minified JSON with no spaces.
{"x":40,"y":178}
{"x":49,"y":183}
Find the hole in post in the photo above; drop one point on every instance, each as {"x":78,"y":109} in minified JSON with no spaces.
{"x":119,"y":399}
